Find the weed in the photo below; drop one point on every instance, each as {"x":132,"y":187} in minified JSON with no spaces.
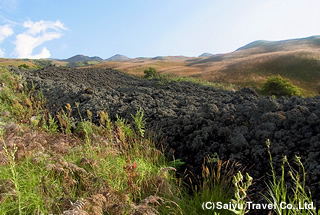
{"x":278,"y":193}
{"x":241,"y":189}
{"x":123,"y":126}
{"x":89,"y":114}
{"x":53,"y":127}
{"x":130,"y":170}
{"x":105,"y":121}
{"x":65,"y":119}
{"x":85,"y":130}
{"x":139,"y":122}
{"x":176,"y":163}
{"x":14,"y":174}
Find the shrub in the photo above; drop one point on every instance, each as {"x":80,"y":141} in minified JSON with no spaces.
{"x":279,"y":86}
{"x":150,"y":73}
{"x":24,"y":66}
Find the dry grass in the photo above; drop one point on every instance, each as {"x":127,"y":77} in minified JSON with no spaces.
{"x":137,"y":67}
{"x":15,"y":62}
{"x":248,"y":67}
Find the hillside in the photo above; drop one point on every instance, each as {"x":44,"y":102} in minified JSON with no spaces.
{"x":118,"y":57}
{"x":297,"y":60}
{"x":78,"y":58}
{"x":249,"y":66}
{"x":271,"y":46}
{"x":206,"y":54}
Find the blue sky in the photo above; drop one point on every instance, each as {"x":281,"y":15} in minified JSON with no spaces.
{"x":148,"y":28}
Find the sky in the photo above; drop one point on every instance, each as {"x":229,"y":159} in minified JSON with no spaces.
{"x":148,"y":28}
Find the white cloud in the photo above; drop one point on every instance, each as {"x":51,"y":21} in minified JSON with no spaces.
{"x":1,"y":53}
{"x":42,"y":26}
{"x":37,"y":33}
{"x":5,"y":31}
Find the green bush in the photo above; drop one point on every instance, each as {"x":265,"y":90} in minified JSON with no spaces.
{"x":150,"y":73}
{"x":24,"y":66}
{"x":279,"y":86}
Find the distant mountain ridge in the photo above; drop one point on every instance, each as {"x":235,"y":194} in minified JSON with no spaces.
{"x":118,"y":57}
{"x":259,"y":46}
{"x":206,"y":54}
{"x":78,"y":58}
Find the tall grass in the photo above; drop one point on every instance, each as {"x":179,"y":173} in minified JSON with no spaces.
{"x":215,"y":186}
{"x":279,"y":195}
{"x":13,"y":175}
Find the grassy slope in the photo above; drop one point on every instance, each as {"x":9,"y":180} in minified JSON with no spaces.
{"x":15,"y":62}
{"x":301,"y":67}
{"x":137,"y":67}
{"x":297,"y":60}
{"x":243,"y":68}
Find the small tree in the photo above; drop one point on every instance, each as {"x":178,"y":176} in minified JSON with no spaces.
{"x":150,"y":73}
{"x":279,"y":86}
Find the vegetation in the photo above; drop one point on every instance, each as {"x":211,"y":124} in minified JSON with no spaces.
{"x":114,"y":168}
{"x":42,"y":63}
{"x":28,"y":64}
{"x":24,"y":66}
{"x":109,"y":168}
{"x":278,"y":193}
{"x":152,"y":73}
{"x":82,"y":63}
{"x":279,"y":86}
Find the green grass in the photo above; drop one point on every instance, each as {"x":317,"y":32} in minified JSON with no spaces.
{"x":298,"y":68}
{"x":278,"y":192}
{"x":302,"y":69}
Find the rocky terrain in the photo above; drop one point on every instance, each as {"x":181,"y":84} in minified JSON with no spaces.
{"x":196,"y":120}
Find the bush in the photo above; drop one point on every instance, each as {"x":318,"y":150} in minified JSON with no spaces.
{"x":24,"y":66}
{"x":150,"y":73}
{"x":279,"y":86}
